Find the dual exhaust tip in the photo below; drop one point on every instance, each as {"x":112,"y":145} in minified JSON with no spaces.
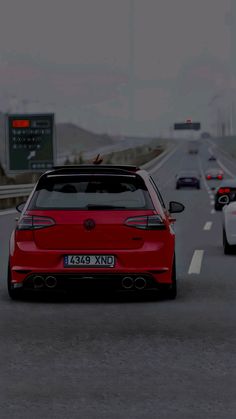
{"x":129,"y":283}
{"x":39,"y":281}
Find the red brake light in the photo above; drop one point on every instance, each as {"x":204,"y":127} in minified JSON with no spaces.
{"x":34,"y":222}
{"x":224,"y":190}
{"x":208,"y":176}
{"x":220,"y":176}
{"x":146,"y":222}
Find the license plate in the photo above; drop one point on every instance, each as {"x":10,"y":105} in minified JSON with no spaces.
{"x":89,"y":260}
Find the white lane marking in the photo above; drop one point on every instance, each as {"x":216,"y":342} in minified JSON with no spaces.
{"x":196,"y":262}
{"x":208,"y":225}
{"x":212,"y":202}
{"x":210,"y":149}
{"x":211,"y":195}
{"x":7,"y":212}
{"x":227,"y":156}
{"x":213,"y":211}
{"x":225,"y":168}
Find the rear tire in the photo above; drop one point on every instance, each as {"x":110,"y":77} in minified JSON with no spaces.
{"x":227,"y":247}
{"x":171,"y":292}
{"x":14,"y":294}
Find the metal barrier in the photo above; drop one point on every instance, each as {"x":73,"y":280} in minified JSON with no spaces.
{"x":15,"y":191}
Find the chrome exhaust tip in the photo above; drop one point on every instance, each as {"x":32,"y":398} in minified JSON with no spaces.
{"x":50,"y":282}
{"x":127,"y":282}
{"x":140,"y":283}
{"x":38,"y":281}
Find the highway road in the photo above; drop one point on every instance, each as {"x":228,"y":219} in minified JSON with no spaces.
{"x":129,"y":359}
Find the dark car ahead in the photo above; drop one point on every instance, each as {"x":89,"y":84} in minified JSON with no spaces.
{"x":212,"y":158}
{"x":188,"y":178}
{"x":226,"y":187}
{"x":94,"y":227}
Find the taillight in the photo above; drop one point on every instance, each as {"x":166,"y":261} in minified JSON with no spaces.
{"x":34,"y":222}
{"x":224,"y":190}
{"x":146,"y":222}
{"x":220,"y":177}
{"x":208,"y":176}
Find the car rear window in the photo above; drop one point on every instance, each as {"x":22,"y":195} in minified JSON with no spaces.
{"x":184,"y":175}
{"x":91,"y":192}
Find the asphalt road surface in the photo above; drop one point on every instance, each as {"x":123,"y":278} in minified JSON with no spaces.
{"x":130,"y":359}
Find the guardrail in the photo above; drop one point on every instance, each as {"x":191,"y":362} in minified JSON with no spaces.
{"x":15,"y":191}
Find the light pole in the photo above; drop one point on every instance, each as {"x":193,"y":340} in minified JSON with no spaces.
{"x":214,"y":104}
{"x":131,"y":65}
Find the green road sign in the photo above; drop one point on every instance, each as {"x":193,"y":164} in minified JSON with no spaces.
{"x":187,"y":126}
{"x":30,"y":142}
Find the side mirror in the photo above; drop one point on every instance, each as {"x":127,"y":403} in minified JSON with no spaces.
{"x":175,"y":207}
{"x":20,"y":206}
{"x":224,"y":199}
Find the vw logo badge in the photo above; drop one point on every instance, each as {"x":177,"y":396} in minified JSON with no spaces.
{"x":89,"y":224}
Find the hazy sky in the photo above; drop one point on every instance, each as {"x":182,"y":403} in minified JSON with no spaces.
{"x":72,"y":57}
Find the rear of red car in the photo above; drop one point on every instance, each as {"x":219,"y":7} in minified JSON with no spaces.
{"x":92,"y":228}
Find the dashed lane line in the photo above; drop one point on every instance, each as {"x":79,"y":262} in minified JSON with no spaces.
{"x":196,"y":262}
{"x":207,"y":226}
{"x":213,"y":211}
{"x":225,"y":168}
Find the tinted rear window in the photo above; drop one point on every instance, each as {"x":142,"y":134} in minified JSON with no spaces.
{"x":91,"y":192}
{"x":188,"y":175}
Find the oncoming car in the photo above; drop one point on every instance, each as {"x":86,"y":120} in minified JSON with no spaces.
{"x":91,"y":228}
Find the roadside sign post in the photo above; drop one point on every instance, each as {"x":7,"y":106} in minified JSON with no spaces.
{"x":30,"y":142}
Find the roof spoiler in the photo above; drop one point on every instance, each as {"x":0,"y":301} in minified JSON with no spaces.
{"x":97,"y":167}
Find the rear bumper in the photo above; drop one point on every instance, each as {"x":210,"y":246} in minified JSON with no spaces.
{"x":88,"y":279}
{"x":96,"y":282}
{"x":153,"y":262}
{"x":36,"y":279}
{"x":187,"y":185}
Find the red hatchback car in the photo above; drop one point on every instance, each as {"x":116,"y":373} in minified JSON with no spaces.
{"x":94,"y":227}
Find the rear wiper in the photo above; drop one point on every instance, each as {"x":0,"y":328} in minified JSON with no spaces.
{"x":102,"y":207}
